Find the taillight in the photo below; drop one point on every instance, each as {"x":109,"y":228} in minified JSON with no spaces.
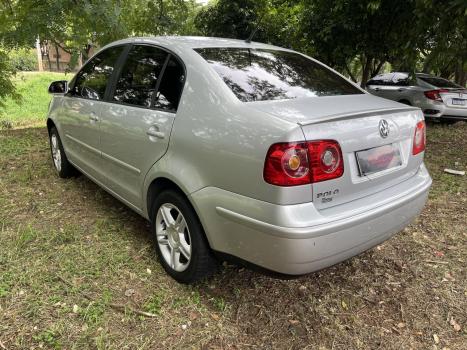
{"x":287,"y":164}
{"x":419,"y":138}
{"x":325,"y":160}
{"x":435,"y":94}
{"x":292,"y":164}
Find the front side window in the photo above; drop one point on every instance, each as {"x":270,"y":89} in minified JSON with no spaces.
{"x":260,"y":74}
{"x":138,"y":80}
{"x":91,"y":81}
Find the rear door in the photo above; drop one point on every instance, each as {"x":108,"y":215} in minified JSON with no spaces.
{"x":80,"y":122}
{"x":138,"y":117}
{"x":381,"y":85}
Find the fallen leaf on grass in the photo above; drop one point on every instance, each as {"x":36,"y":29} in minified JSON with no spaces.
{"x":344,"y":305}
{"x":449,"y":277}
{"x":401,"y":325}
{"x":292,"y":322}
{"x":455,"y":325}
{"x":129,"y":292}
{"x":436,"y":338}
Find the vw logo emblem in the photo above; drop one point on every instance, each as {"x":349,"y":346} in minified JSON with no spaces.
{"x":383,"y":128}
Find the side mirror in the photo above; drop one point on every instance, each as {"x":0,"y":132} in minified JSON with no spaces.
{"x":58,"y":87}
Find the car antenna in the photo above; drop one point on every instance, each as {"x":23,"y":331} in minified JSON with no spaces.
{"x":252,"y":34}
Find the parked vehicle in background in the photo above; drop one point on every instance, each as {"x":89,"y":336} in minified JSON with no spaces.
{"x":438,"y":98}
{"x":240,"y":149}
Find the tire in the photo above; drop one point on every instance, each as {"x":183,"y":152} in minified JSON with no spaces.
{"x":447,"y":121}
{"x":179,"y":239}
{"x":60,"y":161}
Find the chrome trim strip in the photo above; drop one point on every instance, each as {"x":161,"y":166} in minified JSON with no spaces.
{"x":122,"y":164}
{"x":92,"y":149}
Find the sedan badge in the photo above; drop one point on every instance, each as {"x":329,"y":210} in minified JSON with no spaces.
{"x":383,"y":128}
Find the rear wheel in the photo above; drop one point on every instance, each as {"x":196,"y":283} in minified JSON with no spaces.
{"x":62,"y":165}
{"x":179,"y":239}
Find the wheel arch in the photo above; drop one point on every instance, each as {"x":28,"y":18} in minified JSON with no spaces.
{"x":159,"y":185}
{"x":50,"y":124}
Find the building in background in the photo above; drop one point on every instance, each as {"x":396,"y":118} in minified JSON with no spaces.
{"x":57,"y":59}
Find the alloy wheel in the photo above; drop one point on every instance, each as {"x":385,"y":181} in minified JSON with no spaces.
{"x":173,"y":237}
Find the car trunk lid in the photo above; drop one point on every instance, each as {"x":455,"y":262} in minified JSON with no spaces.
{"x":456,"y":98}
{"x":355,"y":122}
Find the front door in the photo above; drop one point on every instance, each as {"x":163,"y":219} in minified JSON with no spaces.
{"x":137,"y":120}
{"x":80,"y":123}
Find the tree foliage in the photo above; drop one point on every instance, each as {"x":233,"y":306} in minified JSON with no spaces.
{"x":358,"y":37}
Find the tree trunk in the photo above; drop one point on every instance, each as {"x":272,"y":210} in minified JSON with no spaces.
{"x":376,"y":69}
{"x":48,"y":60}
{"x":57,"y":56}
{"x":366,"y":71}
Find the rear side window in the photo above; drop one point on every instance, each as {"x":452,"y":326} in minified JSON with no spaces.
{"x":439,"y":82}
{"x":171,"y":86}
{"x":260,"y":74}
{"x":138,"y":81}
{"x":91,"y":81}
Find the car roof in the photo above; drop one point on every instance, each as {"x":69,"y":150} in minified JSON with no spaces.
{"x":193,"y":42}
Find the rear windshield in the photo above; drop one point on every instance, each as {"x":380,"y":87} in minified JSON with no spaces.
{"x":439,"y":82}
{"x":260,"y":75}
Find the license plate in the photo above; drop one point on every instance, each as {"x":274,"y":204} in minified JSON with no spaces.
{"x":458,"y":101}
{"x":377,"y":159}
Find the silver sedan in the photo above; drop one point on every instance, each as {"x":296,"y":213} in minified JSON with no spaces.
{"x":240,"y":150}
{"x":438,"y":98}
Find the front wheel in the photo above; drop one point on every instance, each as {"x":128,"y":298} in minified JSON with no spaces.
{"x":179,"y":238}
{"x":62,"y":165}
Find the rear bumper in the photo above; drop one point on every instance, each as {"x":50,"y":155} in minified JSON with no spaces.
{"x":432,"y":109}
{"x":298,"y":239}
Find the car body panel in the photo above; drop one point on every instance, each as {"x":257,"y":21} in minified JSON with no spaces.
{"x":214,"y":147}
{"x":81,"y":139}
{"x":299,"y":239}
{"x":128,"y":152}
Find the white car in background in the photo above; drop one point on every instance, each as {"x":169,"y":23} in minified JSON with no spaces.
{"x":437,"y":97}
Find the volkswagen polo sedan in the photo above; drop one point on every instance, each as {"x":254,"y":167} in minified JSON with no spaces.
{"x":244,"y":150}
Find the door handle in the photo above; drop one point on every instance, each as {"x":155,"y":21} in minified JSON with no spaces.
{"x":153,"y":131}
{"x":377,"y":89}
{"x":401,"y":89}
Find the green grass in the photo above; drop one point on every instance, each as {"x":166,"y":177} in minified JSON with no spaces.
{"x":32,"y":108}
{"x":69,"y":251}
{"x":67,"y":242}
